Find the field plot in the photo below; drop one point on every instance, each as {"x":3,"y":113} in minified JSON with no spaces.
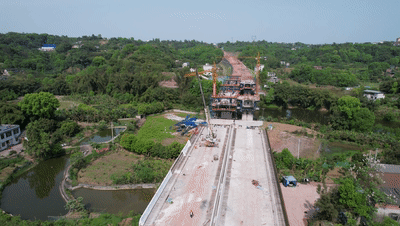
{"x":156,"y":128}
{"x":100,"y":171}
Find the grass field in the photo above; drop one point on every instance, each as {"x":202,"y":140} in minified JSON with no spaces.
{"x":156,"y":128}
{"x":99,"y":172}
{"x":118,"y":163}
{"x":65,"y":104}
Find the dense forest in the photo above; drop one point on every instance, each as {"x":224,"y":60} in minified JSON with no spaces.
{"x":107,"y":79}
{"x":341,"y":65}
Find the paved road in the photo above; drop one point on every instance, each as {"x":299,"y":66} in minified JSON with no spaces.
{"x":244,"y":203}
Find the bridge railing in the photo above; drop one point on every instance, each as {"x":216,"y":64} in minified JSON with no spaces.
{"x":277,"y":178}
{"x":164,"y":183}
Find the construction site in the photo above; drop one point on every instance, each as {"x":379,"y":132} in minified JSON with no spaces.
{"x":225,"y":173}
{"x":239,"y":93}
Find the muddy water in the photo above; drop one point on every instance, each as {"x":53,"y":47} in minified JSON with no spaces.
{"x":35,"y":194}
{"x":122,"y":201}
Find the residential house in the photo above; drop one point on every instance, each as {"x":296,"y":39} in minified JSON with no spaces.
{"x":261,"y":67}
{"x":318,"y":67}
{"x":397,"y":43}
{"x":207,"y":67}
{"x":9,"y":135}
{"x":48,"y":47}
{"x":271,"y":74}
{"x":373,"y":94}
{"x":192,"y":70}
{"x":273,"y":79}
{"x":186,"y":64}
{"x":390,"y":175}
{"x":390,"y":72}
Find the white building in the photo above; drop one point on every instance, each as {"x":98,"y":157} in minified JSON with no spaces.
{"x":9,"y":135}
{"x":48,"y":47}
{"x":271,"y":74}
{"x":261,"y":67}
{"x":207,"y":67}
{"x":373,"y":94}
{"x":186,"y":64}
{"x":192,"y":70}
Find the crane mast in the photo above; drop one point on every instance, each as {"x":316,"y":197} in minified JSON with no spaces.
{"x":210,"y":136}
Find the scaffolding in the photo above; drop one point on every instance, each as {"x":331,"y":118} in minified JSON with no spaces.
{"x":238,"y":94}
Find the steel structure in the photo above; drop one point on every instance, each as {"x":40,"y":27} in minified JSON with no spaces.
{"x":239,"y":94}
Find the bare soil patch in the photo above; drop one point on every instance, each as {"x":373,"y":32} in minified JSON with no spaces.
{"x":300,"y":200}
{"x":4,"y":173}
{"x":103,"y":42}
{"x":281,"y":137}
{"x":99,"y":172}
{"x":178,"y":138}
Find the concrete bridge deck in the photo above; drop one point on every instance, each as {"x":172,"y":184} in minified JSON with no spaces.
{"x":220,"y":192}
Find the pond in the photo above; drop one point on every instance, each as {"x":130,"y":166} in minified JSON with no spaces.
{"x":115,"y":202}
{"x":102,"y":136}
{"x":35,"y":194}
{"x":337,"y":147}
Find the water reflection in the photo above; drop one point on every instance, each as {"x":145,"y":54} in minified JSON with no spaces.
{"x":42,"y":177}
{"x":122,"y":201}
{"x":304,"y":115}
{"x":35,"y":194}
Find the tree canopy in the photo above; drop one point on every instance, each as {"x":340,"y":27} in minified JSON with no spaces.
{"x":41,"y":104}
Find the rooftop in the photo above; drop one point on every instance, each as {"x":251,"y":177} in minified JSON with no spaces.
{"x":372,"y":91}
{"x":389,"y":168}
{"x":7,"y":127}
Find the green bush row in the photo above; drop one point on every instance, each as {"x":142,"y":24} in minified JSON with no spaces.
{"x":145,"y":171}
{"x":150,"y":148}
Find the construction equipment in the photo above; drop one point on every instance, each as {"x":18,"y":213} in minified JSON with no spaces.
{"x":210,"y":137}
{"x":214,"y":76}
{"x":257,"y":70}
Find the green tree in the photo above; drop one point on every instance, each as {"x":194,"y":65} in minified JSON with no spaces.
{"x":349,"y":115}
{"x":363,"y":120}
{"x":349,"y":105}
{"x":41,"y":142}
{"x":10,"y":114}
{"x":98,"y":61}
{"x":69,"y":128}
{"x":42,"y":105}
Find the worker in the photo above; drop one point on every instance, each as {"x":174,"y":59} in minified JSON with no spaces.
{"x":191,"y":214}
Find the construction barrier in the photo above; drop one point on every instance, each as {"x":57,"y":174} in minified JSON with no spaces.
{"x":186,"y":148}
{"x":160,"y":190}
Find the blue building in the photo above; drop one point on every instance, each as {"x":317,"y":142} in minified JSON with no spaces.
{"x":48,"y":47}
{"x":9,"y":135}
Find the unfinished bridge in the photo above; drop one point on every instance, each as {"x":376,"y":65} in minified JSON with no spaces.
{"x":231,"y":183}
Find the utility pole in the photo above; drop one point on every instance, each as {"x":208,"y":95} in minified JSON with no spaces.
{"x":112,"y":133}
{"x":298,"y":150}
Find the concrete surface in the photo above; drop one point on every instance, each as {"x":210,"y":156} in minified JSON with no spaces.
{"x":220,"y":192}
